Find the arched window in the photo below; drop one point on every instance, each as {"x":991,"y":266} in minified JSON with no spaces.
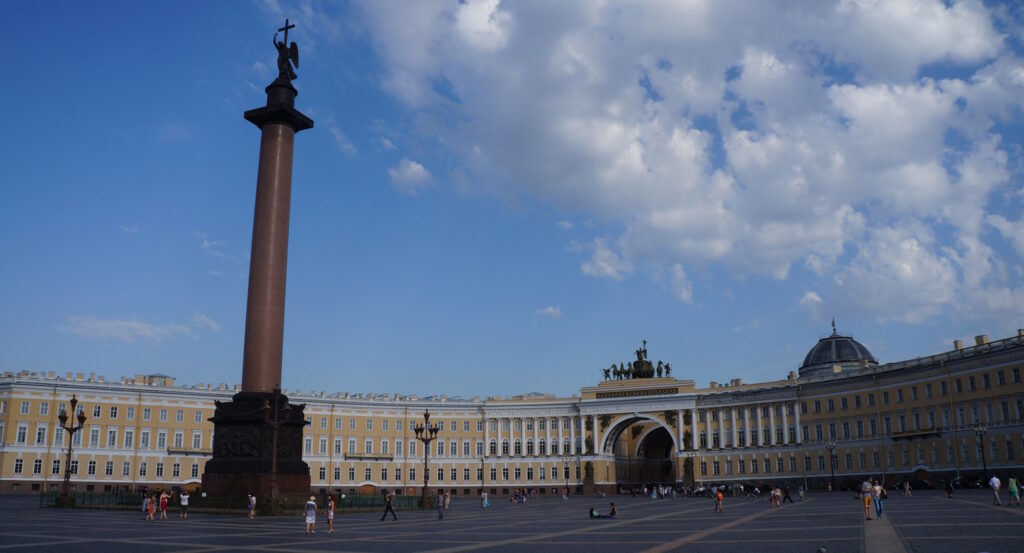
{"x":542,"y":447}
{"x":518,"y":447}
{"x":529,"y":447}
{"x":493,"y":447}
{"x":504,"y":447}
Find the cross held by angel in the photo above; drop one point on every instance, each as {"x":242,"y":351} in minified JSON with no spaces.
{"x":286,"y":55}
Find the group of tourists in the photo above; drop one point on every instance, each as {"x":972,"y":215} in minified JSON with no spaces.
{"x":613,"y":512}
{"x":153,"y":503}
{"x":872,"y":492}
{"x":1013,"y":485}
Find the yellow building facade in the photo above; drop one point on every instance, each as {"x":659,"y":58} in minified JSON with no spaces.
{"x":841,"y":417}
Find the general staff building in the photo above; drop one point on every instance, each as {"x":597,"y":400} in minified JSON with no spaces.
{"x":840,"y":417}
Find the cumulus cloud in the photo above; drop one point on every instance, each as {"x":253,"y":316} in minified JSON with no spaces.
{"x":811,"y":303}
{"x":565,"y":225}
{"x":550,"y":311}
{"x":852,"y":139}
{"x":409,"y":177}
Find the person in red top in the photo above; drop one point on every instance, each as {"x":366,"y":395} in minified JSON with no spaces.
{"x":718,"y":501}
{"x":163,"y":504}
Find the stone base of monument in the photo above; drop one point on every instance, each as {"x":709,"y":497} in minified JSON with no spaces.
{"x":243,"y":444}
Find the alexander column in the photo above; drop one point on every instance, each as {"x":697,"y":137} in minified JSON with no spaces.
{"x":257,"y":445}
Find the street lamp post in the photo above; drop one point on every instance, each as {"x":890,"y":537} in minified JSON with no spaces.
{"x":66,"y":489}
{"x":831,"y":447}
{"x":980,"y":431}
{"x":275,"y":423}
{"x":426,"y":434}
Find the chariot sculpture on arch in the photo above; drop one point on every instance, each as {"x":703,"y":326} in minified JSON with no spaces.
{"x":286,"y":55}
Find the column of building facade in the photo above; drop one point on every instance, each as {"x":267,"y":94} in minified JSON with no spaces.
{"x":694,"y":429}
{"x":536,"y":445}
{"x":771,"y":422}
{"x":799,"y":432}
{"x":746,"y":425}
{"x":547,"y":435}
{"x":721,"y":427}
{"x":497,"y":448}
{"x":522,"y":437}
{"x":560,"y":444}
{"x":735,"y":429}
{"x":572,"y":434}
{"x":679,"y":431}
{"x":707,"y":428}
{"x":760,"y":427}
{"x":487,"y":437}
{"x":785,"y":423}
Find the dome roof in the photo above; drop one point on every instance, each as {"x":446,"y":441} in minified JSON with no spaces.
{"x":836,"y":350}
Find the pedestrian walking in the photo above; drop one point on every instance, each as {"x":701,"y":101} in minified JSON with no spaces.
{"x":252,"y":506}
{"x":994,"y":483}
{"x":786,"y":496}
{"x":949,"y":489}
{"x":439,"y":500}
{"x":906,"y":489}
{"x":311,"y":515}
{"x":330,"y":514}
{"x":613,"y":511}
{"x":800,"y":491}
{"x":151,"y":507}
{"x":719,"y":498}
{"x":183,"y":498}
{"x":164,"y":496}
{"x":389,"y":506}
{"x":878,"y":496}
{"x":865,"y":493}
{"x":145,"y":507}
{"x":448,"y":499}
{"x":1014,"y":491}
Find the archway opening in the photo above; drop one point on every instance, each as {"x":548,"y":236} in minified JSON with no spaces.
{"x":644,"y":455}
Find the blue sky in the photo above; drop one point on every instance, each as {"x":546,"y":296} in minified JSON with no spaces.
{"x":502,"y":198}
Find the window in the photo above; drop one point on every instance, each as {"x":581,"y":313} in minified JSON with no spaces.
{"x":352,"y":426}
{"x":351,"y":474}
{"x":96,"y":411}
{"x":943,"y":388}
{"x":971,"y":383}
{"x":337,"y":425}
{"x":385,"y":446}
{"x":199,"y":416}
{"x":22,"y":434}
{"x":111,"y":438}
{"x":831,"y":405}
{"x":126,"y":468}
{"x":465,"y":474}
{"x":368,"y":447}
{"x":142,"y":468}
{"x":452,"y":426}
{"x":843,"y":403}
{"x":465,"y":448}
{"x":163,"y":415}
{"x":398,"y":427}
{"x":899,"y":395}
{"x":146,"y":414}
{"x":108,"y":469}
{"x":197,"y":440}
{"x":885,"y":397}
{"x":92,"y":468}
{"x":352,"y":445}
{"x":113,"y":411}
{"x":40,"y":435}
{"x":1001,"y":377}
{"x":928,"y":390}
{"x":384,"y":474}
{"x":504,"y":472}
{"x":384,"y":425}
{"x":144,"y":439}
{"x":159,"y":470}
{"x":323,"y":445}
{"x":455,"y":474}
{"x":37,"y":466}
{"x":465,"y":427}
{"x":195,"y":470}
{"x":18,"y":466}
{"x":94,"y":437}
{"x":161,"y":440}
{"x":55,"y":467}
{"x":369,"y":426}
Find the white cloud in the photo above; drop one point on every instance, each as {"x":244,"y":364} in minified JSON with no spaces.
{"x":605,"y":263}
{"x":682,"y":288}
{"x":811,"y":303}
{"x":202,"y":321}
{"x":345,"y":145}
{"x":802,"y":137}
{"x":409,"y":177}
{"x":130,"y":230}
{"x":125,"y":330}
{"x":550,"y":311}
{"x":213,"y":247}
{"x":564,"y":225}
